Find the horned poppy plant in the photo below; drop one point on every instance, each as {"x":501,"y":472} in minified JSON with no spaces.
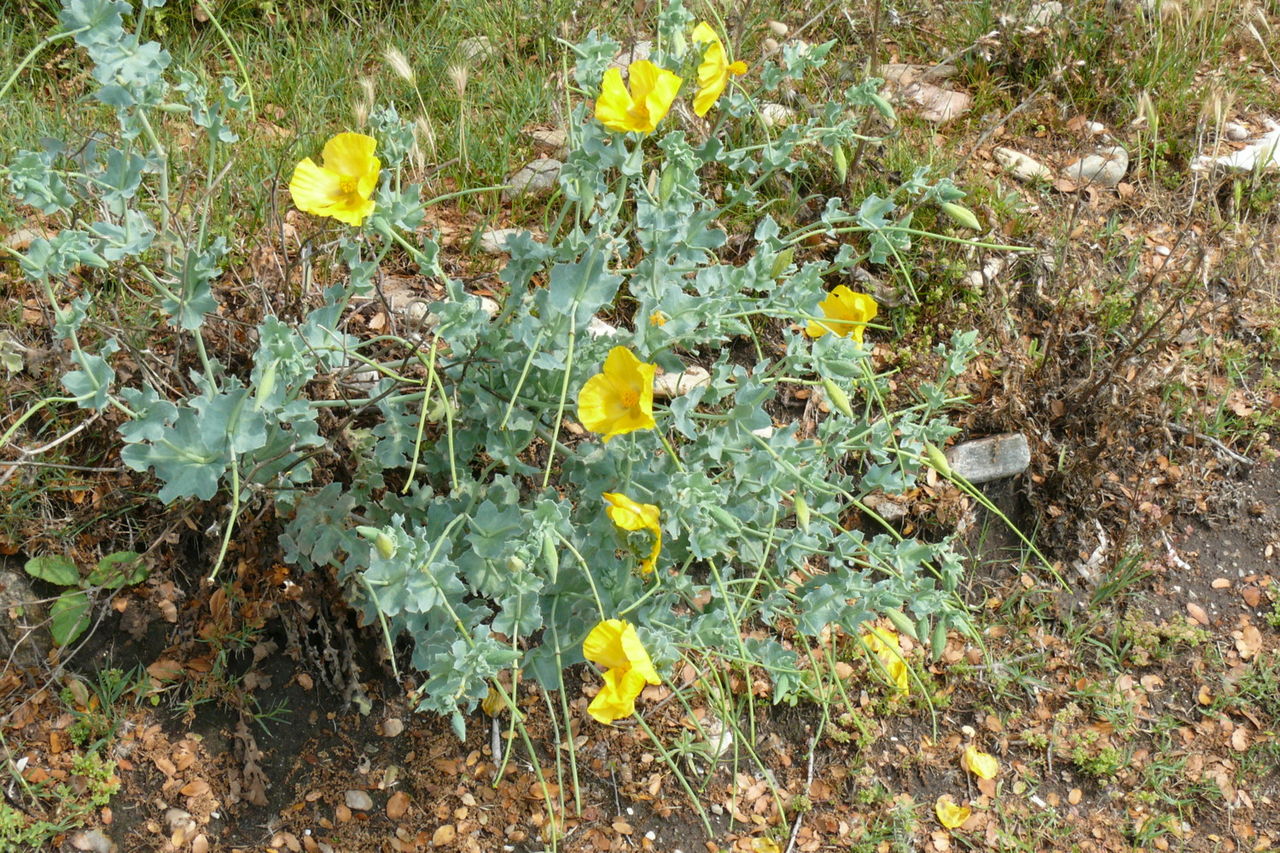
{"x":619,"y":399}
{"x":342,"y":187}
{"x":639,"y":109}
{"x":845,"y":313}
{"x":884,"y":645}
{"x":714,"y":70}
{"x":981,"y":764}
{"x":615,"y":645}
{"x":630,"y":515}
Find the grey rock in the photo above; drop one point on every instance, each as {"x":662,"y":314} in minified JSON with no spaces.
{"x":992,"y":458}
{"x":1235,"y":132}
{"x":638,"y":51}
{"x":1022,"y":167}
{"x":555,"y":141}
{"x":537,"y":178}
{"x":359,"y":800}
{"x":1106,"y":168}
{"x":477,"y":49}
{"x":494,"y":241}
{"x":775,"y":115}
{"x":93,"y":840}
{"x":887,"y":509}
{"x":24,"y":629}
{"x":670,"y":385}
{"x":1043,"y":14}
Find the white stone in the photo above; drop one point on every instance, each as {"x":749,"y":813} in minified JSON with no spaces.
{"x":1235,"y":132}
{"x":1259,"y":155}
{"x":598,"y":328}
{"x":1043,"y":14}
{"x":638,"y":51}
{"x":1106,"y":168}
{"x":890,"y":511}
{"x":776,"y":115}
{"x":990,"y":458}
{"x":1022,"y":167}
{"x":477,"y":49}
{"x":359,"y":800}
{"x":537,"y":178}
{"x":670,"y":385}
{"x":94,"y":841}
{"x":554,"y":141}
{"x":494,"y":241}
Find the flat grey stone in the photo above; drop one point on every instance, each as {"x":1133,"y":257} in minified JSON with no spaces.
{"x":93,"y":841}
{"x":1022,"y":167}
{"x":537,"y":178}
{"x":1106,"y":168}
{"x":477,"y":49}
{"x":23,"y":621}
{"x":359,"y":800}
{"x":992,"y":458}
{"x":494,"y":241}
{"x":638,"y":51}
{"x":555,"y":141}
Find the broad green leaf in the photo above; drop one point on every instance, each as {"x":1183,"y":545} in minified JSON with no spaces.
{"x":123,"y":568}
{"x":54,"y":568}
{"x":69,"y":616}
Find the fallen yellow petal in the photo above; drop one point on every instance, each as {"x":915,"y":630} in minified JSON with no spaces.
{"x":949,"y":814}
{"x":981,"y":764}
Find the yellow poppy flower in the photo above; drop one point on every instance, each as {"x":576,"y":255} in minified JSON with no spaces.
{"x":343,"y":186}
{"x":615,"y":645}
{"x":884,"y":645}
{"x":620,"y":398}
{"x":653,"y":90}
{"x":847,"y":313}
{"x":949,"y":814}
{"x":629,"y":515}
{"x":980,"y":764}
{"x":714,"y":70}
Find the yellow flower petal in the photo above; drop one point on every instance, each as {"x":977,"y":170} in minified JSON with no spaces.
{"x":846,"y":313}
{"x":629,"y":515}
{"x":714,"y":70}
{"x":614,"y":644}
{"x":343,"y":186}
{"x":619,"y":399}
{"x":883,"y":643}
{"x":617,"y":699}
{"x":640,"y":108}
{"x":981,"y":764}
{"x":949,"y":814}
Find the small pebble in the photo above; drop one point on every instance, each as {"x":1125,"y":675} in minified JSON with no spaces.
{"x":359,"y":800}
{"x":779,"y":29}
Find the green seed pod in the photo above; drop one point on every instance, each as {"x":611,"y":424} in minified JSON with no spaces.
{"x":938,"y":642}
{"x":667,"y":185}
{"x":883,"y":107}
{"x":837,"y":397}
{"x":384,"y":544}
{"x":961,"y":215}
{"x":782,"y":261}
{"x":266,"y":384}
{"x":550,"y":556}
{"x":842,"y":163}
{"x":937,"y":459}
{"x":901,"y":622}
{"x":722,"y":515}
{"x":802,"y":511}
